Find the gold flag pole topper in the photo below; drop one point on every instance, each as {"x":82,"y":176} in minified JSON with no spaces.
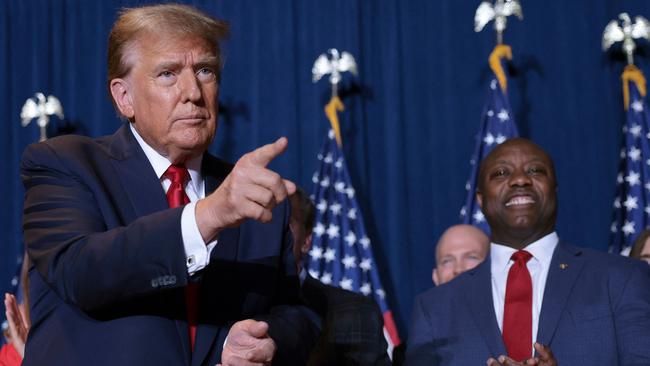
{"x":334,"y":65}
{"x":41,"y":108}
{"x":627,"y":32}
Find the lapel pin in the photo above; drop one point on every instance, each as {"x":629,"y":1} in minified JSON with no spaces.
{"x":564,"y":266}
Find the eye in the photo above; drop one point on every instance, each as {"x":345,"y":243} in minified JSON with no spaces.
{"x":499,"y":173}
{"x":206,"y":74}
{"x":446,"y":262}
{"x":166,"y":77}
{"x":536,"y":170}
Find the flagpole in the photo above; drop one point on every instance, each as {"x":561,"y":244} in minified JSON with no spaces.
{"x":631,"y":211}
{"x":341,"y":253}
{"x":497,"y":121}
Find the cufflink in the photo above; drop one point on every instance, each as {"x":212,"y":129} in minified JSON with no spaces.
{"x":190,"y":261}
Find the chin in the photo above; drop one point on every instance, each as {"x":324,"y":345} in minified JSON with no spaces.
{"x":194,"y":140}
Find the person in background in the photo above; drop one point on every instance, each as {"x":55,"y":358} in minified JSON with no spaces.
{"x":641,"y":248}
{"x":17,"y":315}
{"x":351,"y":324}
{"x":461,"y":247}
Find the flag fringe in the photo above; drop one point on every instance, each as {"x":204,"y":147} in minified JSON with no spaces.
{"x":331,"y":108}
{"x":633,"y":74}
{"x":500,"y":51}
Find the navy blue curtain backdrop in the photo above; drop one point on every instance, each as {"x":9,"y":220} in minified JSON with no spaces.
{"x":411,"y":114}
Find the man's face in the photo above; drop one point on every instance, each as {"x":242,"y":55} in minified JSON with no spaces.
{"x":517,"y":193}
{"x":301,"y":240}
{"x":171,"y":94}
{"x":459,"y":249}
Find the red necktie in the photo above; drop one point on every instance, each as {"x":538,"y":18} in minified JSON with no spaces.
{"x":176,"y":196}
{"x":518,"y":311}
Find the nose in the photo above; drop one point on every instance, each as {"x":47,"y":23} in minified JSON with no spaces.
{"x":519,"y":178}
{"x":190,"y":88}
{"x":458,"y":268}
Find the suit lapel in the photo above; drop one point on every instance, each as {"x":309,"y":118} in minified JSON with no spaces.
{"x":214,"y":171}
{"x":566,"y":266}
{"x":136,"y":174}
{"x":479,"y":298}
{"x":143,"y":189}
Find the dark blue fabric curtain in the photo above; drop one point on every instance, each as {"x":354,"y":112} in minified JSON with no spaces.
{"x":411,"y":114}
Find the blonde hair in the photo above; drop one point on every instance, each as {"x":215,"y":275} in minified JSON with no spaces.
{"x":170,"y":19}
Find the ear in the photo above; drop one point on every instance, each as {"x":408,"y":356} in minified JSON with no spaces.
{"x":479,"y":198}
{"x":304,"y":249}
{"x":434,"y":277}
{"x":121,"y":92}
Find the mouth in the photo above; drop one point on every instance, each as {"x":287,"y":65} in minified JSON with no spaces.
{"x":520,"y":201}
{"x":192,"y":119}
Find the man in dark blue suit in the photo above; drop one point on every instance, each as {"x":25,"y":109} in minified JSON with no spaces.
{"x":351,"y":326}
{"x":536,"y":300}
{"x":146,"y":249}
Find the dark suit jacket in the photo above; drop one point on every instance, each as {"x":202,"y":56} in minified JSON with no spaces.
{"x":595,"y":311}
{"x":107,"y":286}
{"x":352,"y":326}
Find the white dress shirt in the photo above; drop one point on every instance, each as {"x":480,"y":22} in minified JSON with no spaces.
{"x":197,"y":253}
{"x":538,"y":266}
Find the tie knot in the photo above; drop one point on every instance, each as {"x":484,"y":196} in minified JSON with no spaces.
{"x":177,"y":174}
{"x":521,"y":256}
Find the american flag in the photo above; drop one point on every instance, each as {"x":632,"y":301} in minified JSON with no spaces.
{"x":632,"y":202}
{"x":497,"y":125}
{"x":341,"y":253}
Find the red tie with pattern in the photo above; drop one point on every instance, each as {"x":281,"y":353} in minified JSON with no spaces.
{"x":176,"y":196}
{"x":518,"y":310}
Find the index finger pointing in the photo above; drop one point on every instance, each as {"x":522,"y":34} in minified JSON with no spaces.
{"x":262,"y":156}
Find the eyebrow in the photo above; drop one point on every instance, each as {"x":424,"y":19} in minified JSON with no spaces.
{"x":201,"y":62}
{"x":207,"y":61}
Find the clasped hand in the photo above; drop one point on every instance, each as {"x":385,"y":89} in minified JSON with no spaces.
{"x":248,"y":344}
{"x":545,"y":358}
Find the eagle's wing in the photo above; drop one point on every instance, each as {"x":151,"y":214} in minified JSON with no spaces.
{"x":484,"y":13}
{"x":322,"y":66}
{"x":53,"y":106}
{"x":28,"y":112}
{"x":512,"y":7}
{"x":612,"y":34}
{"x":641,"y":28}
{"x":347,"y":63}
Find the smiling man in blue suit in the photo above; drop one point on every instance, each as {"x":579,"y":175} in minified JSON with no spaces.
{"x":146,"y":249}
{"x":536,"y":300}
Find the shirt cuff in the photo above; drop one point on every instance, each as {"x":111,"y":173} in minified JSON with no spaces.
{"x":197,"y":253}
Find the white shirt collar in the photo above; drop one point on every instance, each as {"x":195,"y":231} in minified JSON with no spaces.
{"x":161,"y":163}
{"x":542,"y":250}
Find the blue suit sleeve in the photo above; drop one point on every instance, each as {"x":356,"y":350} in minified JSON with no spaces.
{"x":420,"y":348}
{"x":88,"y":262}
{"x":632,"y":317}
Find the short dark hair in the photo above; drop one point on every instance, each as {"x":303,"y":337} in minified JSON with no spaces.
{"x":639,"y":244}
{"x":304,"y":209}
